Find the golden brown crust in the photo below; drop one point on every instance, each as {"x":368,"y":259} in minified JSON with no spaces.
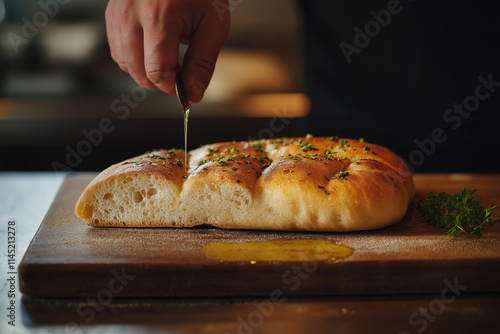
{"x":312,"y":183}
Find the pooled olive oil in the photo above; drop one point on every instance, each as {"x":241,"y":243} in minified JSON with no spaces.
{"x":281,"y":250}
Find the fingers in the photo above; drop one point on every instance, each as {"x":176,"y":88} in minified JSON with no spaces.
{"x":144,"y":39}
{"x":133,"y":50}
{"x":125,"y":36}
{"x":161,"y":50}
{"x":201,"y":56}
{"x":113,"y":31}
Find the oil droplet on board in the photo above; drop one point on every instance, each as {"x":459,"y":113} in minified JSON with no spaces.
{"x":282,"y":250}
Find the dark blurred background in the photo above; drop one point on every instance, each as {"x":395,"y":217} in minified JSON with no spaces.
{"x":63,"y":81}
{"x":64,"y":104}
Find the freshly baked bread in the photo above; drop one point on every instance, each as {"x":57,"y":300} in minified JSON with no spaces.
{"x":308,"y":184}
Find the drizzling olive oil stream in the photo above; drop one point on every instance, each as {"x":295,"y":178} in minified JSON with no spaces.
{"x":186,"y":106}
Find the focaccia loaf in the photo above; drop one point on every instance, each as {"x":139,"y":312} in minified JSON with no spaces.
{"x":308,"y":184}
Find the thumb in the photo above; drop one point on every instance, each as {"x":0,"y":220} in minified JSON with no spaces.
{"x":201,"y":56}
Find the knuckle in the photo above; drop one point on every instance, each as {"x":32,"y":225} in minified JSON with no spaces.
{"x":204,"y":64}
{"x":158,"y":12}
{"x":156,"y":75}
{"x":153,"y":13}
{"x":125,"y":10}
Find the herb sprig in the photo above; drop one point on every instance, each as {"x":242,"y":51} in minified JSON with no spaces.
{"x":460,"y":213}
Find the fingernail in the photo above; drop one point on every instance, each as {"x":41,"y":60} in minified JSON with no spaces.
{"x":198,"y":90}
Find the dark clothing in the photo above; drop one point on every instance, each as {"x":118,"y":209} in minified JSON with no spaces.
{"x":404,"y":75}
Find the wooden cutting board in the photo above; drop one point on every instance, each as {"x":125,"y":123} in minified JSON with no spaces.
{"x":68,"y":258}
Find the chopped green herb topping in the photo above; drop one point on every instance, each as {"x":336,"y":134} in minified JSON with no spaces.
{"x":231,"y":149}
{"x":221,"y":163}
{"x":341,"y":175}
{"x":305,"y":146}
{"x":324,"y":189}
{"x":257,"y":146}
{"x":334,"y":138}
{"x":155,"y":156}
{"x":212,"y":150}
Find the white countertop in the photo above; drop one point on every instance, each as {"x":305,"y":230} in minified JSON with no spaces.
{"x":25,"y":198}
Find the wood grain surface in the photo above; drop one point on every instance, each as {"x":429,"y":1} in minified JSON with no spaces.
{"x":68,"y":258}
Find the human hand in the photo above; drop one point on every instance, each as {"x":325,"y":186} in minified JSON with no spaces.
{"x":144,"y":38}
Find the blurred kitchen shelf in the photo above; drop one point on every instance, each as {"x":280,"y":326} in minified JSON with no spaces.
{"x":156,"y":105}
{"x":64,"y":82}
{"x":35,"y":133}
